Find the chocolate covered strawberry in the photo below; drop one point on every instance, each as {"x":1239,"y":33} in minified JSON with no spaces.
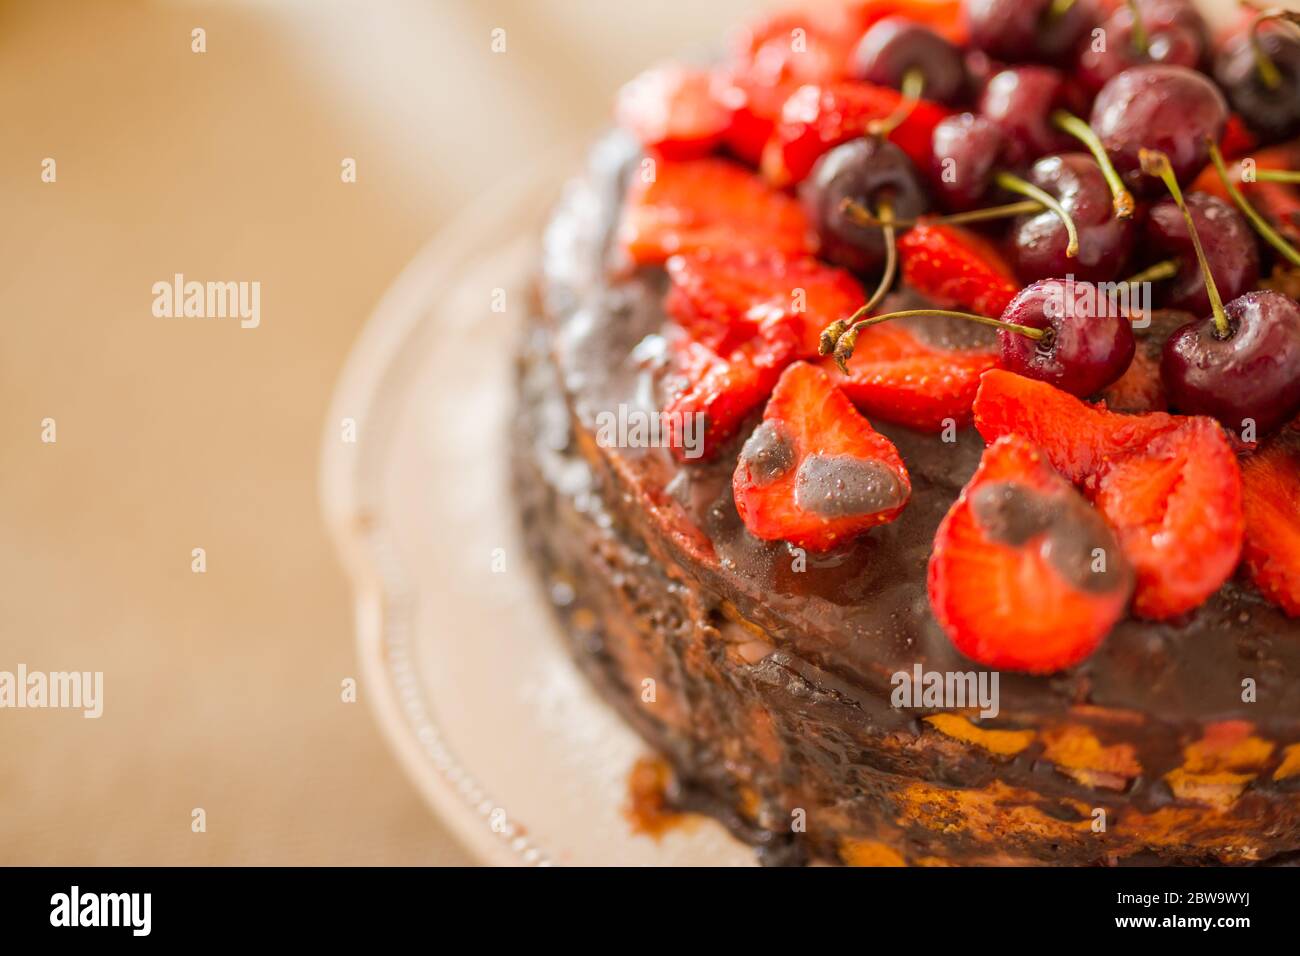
{"x":685,"y":206}
{"x":1025,"y":575}
{"x":814,"y":472}
{"x":1168,"y":485}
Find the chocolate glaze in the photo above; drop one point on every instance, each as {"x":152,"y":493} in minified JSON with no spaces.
{"x":1074,"y":534}
{"x":768,"y":452}
{"x":840,"y":486}
{"x":840,"y":625}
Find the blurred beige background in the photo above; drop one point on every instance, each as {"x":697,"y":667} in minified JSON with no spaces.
{"x":222,"y":690}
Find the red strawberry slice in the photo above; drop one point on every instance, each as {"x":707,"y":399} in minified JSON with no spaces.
{"x":1024,"y":574}
{"x":725,"y":298}
{"x":696,"y":204}
{"x":956,"y":268}
{"x":816,"y":119}
{"x":1271,"y":504}
{"x":1279,"y":203}
{"x":672,"y":109}
{"x":1079,"y":439}
{"x":722,"y":389}
{"x":944,"y":17}
{"x":755,"y":106}
{"x":895,"y":376}
{"x":1176,"y":506}
{"x":814,"y":472}
{"x":1140,"y":389}
{"x":1169,"y":485}
{"x":1237,"y":139}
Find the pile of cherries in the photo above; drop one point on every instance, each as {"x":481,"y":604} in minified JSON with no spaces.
{"x":1098,"y":200}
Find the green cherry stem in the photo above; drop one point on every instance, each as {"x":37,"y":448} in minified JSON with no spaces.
{"x":1014,"y":184}
{"x":1156,"y":163}
{"x":1156,"y":273}
{"x":1140,"y":41}
{"x":849,"y":340}
{"x":1022,"y":208}
{"x":912,"y":87}
{"x":884,"y":219}
{"x":1271,"y":235}
{"x":1276,"y":176}
{"x":1058,"y":9}
{"x":1121,"y":198}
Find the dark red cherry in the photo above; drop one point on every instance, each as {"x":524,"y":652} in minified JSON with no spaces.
{"x":1174,"y":32}
{"x":895,"y":45}
{"x":1227,"y":239}
{"x":1021,"y":30}
{"x":1272,"y":113}
{"x":1155,"y":107}
{"x":1038,"y":241}
{"x":1253,"y":374}
{"x":1019,"y":102}
{"x":1087,"y":342}
{"x":967,"y":150}
{"x":868,"y":171}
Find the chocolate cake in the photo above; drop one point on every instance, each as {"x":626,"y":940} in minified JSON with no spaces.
{"x":768,"y":674}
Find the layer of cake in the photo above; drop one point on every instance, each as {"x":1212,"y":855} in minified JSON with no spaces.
{"x":1153,"y":727}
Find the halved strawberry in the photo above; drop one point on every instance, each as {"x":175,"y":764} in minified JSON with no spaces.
{"x":956,"y":268}
{"x":896,"y":376}
{"x":1271,"y":504}
{"x":816,"y":119}
{"x":814,"y":472}
{"x":725,"y":298}
{"x":1169,"y":485}
{"x":723,"y":389}
{"x":944,"y":17}
{"x":1079,"y":439}
{"x":672,"y":109}
{"x":695,"y":204}
{"x":1237,"y":139}
{"x":755,"y":106}
{"x":1024,"y":575}
{"x":1176,"y":506}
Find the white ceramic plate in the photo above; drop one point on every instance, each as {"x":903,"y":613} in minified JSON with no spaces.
{"x":462,"y":663}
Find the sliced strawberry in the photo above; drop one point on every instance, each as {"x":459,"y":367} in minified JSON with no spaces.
{"x":724,"y":389}
{"x":1024,"y":575}
{"x":1271,"y":504}
{"x":814,"y":472}
{"x":816,"y":118}
{"x":1176,"y":507}
{"x":1140,"y":389}
{"x":1079,"y":439}
{"x":1169,"y":485}
{"x":724,"y":298}
{"x":956,"y":267}
{"x":695,"y":204}
{"x":1237,"y":139}
{"x":895,"y":376}
{"x":755,"y":106}
{"x":1279,"y":203}
{"x":944,"y":17}
{"x":672,"y":109}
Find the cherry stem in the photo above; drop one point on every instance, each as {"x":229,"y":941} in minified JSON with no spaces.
{"x":1021,"y":208}
{"x":1058,"y":9}
{"x":883,"y":218}
{"x":1276,"y":176}
{"x":1268,"y":72}
{"x":1271,"y":235}
{"x":1156,"y":273}
{"x":1140,"y":42}
{"x":848,"y":341}
{"x":1014,"y":184}
{"x":912,"y":87}
{"x":1156,"y":163}
{"x":1121,"y":198}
